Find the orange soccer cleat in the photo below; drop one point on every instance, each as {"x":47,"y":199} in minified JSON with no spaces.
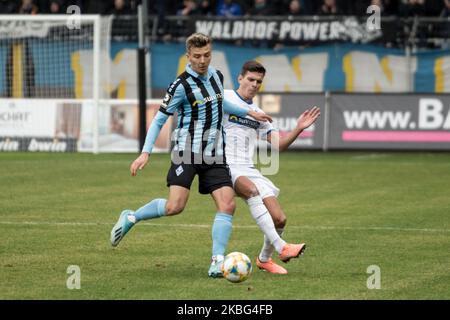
{"x":270,"y":266}
{"x":291,"y":251}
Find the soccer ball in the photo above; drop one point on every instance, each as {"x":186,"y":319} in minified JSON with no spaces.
{"x":237,"y":267}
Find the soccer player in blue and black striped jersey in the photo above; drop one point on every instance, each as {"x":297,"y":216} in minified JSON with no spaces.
{"x":197,"y":95}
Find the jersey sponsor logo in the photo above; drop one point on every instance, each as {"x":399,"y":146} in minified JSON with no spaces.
{"x":244,"y":121}
{"x":197,"y":102}
{"x":166,"y":100}
{"x":218,"y":96}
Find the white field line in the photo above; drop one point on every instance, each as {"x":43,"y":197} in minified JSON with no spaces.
{"x":203,"y":226}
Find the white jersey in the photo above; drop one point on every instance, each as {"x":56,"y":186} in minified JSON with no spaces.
{"x":242,"y":133}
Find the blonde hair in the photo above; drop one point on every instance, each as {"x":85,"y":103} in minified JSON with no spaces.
{"x":197,"y":40}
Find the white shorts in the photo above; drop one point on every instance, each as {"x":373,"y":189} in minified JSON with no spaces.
{"x":265,"y":187}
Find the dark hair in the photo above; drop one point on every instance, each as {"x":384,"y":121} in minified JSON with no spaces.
{"x":252,"y":66}
{"x":197,"y":40}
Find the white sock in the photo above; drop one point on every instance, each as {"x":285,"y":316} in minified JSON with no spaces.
{"x":268,"y":248}
{"x":265,"y":223}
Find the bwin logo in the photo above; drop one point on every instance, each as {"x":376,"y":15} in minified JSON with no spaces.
{"x":207,"y":99}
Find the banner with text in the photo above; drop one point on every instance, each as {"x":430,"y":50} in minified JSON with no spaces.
{"x":285,"y":110}
{"x":389,"y":121}
{"x":339,"y":67}
{"x":343,"y":67}
{"x":347,"y":29}
{"x":69,"y":125}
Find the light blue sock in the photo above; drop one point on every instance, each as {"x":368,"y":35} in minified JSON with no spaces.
{"x":154,"y":209}
{"x":221,"y":231}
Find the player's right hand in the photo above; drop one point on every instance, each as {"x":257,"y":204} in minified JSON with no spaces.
{"x":139,"y":163}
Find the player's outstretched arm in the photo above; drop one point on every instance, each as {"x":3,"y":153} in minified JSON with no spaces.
{"x":305,"y":120}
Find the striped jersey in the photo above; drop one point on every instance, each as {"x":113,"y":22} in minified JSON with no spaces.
{"x":198,"y":100}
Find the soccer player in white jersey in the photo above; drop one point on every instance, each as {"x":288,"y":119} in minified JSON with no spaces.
{"x":248,"y":182}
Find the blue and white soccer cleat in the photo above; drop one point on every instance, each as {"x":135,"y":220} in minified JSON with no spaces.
{"x":121,"y":228}
{"x":215,"y":269}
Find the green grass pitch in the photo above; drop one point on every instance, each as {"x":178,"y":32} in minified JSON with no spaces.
{"x":353,"y":209}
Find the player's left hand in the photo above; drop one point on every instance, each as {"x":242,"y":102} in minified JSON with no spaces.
{"x":307,"y":118}
{"x":260,"y":116}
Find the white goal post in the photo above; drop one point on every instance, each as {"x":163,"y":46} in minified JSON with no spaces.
{"x":55,"y":87}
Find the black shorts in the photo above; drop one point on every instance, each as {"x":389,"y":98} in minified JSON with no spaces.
{"x":210,"y":176}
